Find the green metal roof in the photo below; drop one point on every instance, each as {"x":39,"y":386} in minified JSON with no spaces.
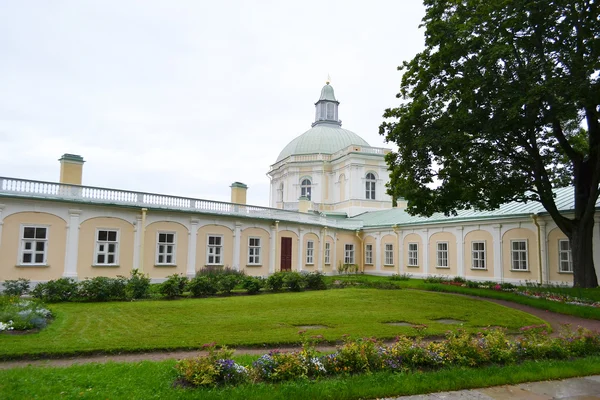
{"x":322,"y":139}
{"x":396,"y":216}
{"x":327,"y":93}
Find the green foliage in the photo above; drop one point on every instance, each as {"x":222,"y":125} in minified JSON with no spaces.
{"x":435,"y":279}
{"x":294,"y":281}
{"x":315,"y":281}
{"x":348,"y":268}
{"x":22,"y":314}
{"x":252,"y":284}
{"x":174,"y":286}
{"x":16,"y":287}
{"x":400,"y":277}
{"x":275,"y":282}
{"x":101,"y":288}
{"x":202,"y":285}
{"x":226,"y":283}
{"x":138,"y":285}
{"x":63,"y":289}
{"x":215,"y":369}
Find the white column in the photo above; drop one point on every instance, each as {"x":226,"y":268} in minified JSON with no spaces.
{"x":497,"y":245}
{"x":1,"y":221}
{"x":300,"y":248}
{"x":322,"y":240}
{"x":460,"y":251}
{"x":400,"y":234}
{"x":191,"y":257}
{"x":72,"y":246}
{"x":545,"y":278}
{"x":273,"y":246}
{"x":137,"y":242}
{"x":425,"y":239}
{"x":237,"y":243}
{"x":378,"y":252}
{"x":595,"y":245}
{"x":334,"y":250}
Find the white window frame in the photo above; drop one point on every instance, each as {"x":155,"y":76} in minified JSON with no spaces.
{"x":254,"y":250}
{"x":327,"y":253}
{"x":348,"y":254}
{"x":370,"y":184}
{"x":102,"y":247}
{"x":389,"y":254}
{"x":33,"y":250}
{"x":522,"y":259}
{"x":568,"y":257}
{"x":369,"y":254}
{"x":214,"y":250}
{"x":165,"y":245}
{"x":442,"y":259}
{"x":306,"y":188}
{"x":478,"y":260}
{"x":310,"y":252}
{"x":413,"y":254}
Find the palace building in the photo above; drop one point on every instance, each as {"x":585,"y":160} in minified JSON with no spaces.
{"x":328,"y":207}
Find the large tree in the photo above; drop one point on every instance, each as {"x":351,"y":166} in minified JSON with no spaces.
{"x":503,"y":104}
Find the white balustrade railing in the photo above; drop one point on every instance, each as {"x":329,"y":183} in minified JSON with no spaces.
{"x":95,"y":195}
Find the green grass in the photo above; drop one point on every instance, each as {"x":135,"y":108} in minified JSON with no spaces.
{"x":569,"y":309}
{"x":154,"y":380}
{"x":251,"y":321}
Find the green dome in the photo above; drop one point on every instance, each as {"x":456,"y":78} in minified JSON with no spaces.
{"x":322,"y":139}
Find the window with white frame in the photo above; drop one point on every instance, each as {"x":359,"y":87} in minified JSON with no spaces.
{"x":107,"y":246}
{"x":280,"y":195}
{"x":518,"y":251}
{"x":565,"y":257}
{"x":327,"y":253}
{"x":368,"y":254}
{"x":253,"y":251}
{"x":305,"y":188}
{"x":349,"y":254}
{"x":34,"y":245}
{"x":165,"y":248}
{"x":370,"y":186}
{"x":214,"y":251}
{"x":478,"y":255}
{"x":389,"y":254}
{"x":413,"y":254}
{"x":310,"y":252}
{"x":442,"y":254}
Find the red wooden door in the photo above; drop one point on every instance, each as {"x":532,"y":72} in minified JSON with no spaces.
{"x":286,"y":254}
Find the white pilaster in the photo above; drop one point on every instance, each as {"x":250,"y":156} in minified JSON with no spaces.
{"x":322,"y":241}
{"x":425,"y":239}
{"x":378,"y":252}
{"x":334,"y":250}
{"x":191,"y":257}
{"x":300,"y":249}
{"x":497,"y":238}
{"x":1,"y":221}
{"x":273,"y":246}
{"x":137,"y":242}
{"x":237,"y":243}
{"x":400,"y":234}
{"x":545,"y":278}
{"x":72,"y":246}
{"x":460,"y":251}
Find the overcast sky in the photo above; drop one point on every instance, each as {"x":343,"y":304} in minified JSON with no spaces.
{"x":186,"y":97}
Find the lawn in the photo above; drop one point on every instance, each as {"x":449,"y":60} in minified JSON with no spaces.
{"x":270,"y":319}
{"x":154,"y":380}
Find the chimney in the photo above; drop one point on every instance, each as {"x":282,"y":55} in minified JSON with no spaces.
{"x":304,"y":204}
{"x":71,"y":169}
{"x":401,"y":203}
{"x":238,"y":193}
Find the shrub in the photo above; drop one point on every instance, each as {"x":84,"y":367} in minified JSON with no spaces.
{"x":212,"y":270}
{"x":435,"y":279}
{"x":63,"y":289}
{"x":215,"y":369}
{"x":17,"y":287}
{"x":315,"y":281}
{"x":459,"y":279}
{"x":355,"y":356}
{"x":252,"y":284}
{"x":101,"y":288}
{"x":348,"y":268}
{"x":22,"y":314}
{"x":278,"y":367}
{"x":202,"y":285}
{"x":174,"y":286}
{"x":138,"y":285}
{"x":275,"y":282}
{"x":400,"y":277}
{"x":294,"y":281}
{"x":472,"y":284}
{"x":226,"y":283}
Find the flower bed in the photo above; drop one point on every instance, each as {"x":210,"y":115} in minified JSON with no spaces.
{"x":357,"y":356}
{"x":18,"y":314}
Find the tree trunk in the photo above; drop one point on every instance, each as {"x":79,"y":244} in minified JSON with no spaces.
{"x":584,"y":272}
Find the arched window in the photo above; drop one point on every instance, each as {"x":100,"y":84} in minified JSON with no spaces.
{"x":370,"y":186}
{"x":305,"y":188}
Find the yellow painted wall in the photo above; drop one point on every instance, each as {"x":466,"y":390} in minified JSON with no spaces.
{"x":479,"y":236}
{"x":202,"y":245}
{"x":369,"y":240}
{"x":433,"y":264}
{"x":290,"y":234}
{"x":327,"y":268}
{"x":10,"y":247}
{"x":71,"y":173}
{"x":87,"y":246}
{"x":393,"y":240}
{"x":344,"y":238}
{"x":413,"y":238}
{"x":316,"y":252}
{"x":553,"y":237}
{"x":150,"y":249}
{"x":265,"y":248}
{"x":532,"y":254}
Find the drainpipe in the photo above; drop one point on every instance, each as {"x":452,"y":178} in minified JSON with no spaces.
{"x":362,"y":245}
{"x":534,"y":217}
{"x":142,"y":239}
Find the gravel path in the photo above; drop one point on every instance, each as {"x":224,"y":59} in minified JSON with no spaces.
{"x":555,"y":320}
